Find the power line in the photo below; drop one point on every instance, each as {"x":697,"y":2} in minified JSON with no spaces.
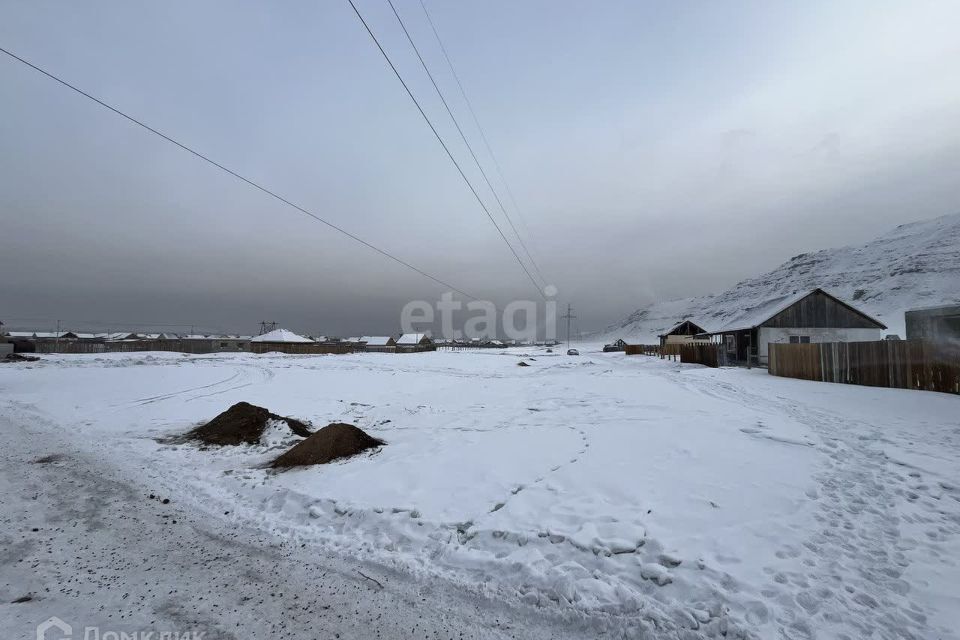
{"x":464,"y":137}
{"x":483,"y":137}
{"x":239,"y":177}
{"x":445,"y":148}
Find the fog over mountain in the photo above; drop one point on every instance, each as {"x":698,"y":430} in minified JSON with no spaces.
{"x":656,"y":152}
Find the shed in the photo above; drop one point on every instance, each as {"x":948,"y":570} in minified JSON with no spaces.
{"x":414,"y":342}
{"x":617,"y":345}
{"x":939,"y":324}
{"x":285,"y":341}
{"x":379,"y":344}
{"x":807,"y":316}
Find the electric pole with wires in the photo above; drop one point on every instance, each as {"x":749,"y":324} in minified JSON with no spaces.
{"x":568,"y":317}
{"x":267,"y":327}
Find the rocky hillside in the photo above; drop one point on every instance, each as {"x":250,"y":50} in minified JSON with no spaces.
{"x":914,"y":265}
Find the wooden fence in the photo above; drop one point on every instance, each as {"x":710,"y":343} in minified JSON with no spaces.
{"x":302,"y":348}
{"x":642,"y":350}
{"x":705,"y":354}
{"x":192,"y":346}
{"x":672,"y":351}
{"x":901,"y":364}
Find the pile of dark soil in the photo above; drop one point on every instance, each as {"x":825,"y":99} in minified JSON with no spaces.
{"x":17,"y":357}
{"x":522,"y":364}
{"x":334,"y":441}
{"x":243,"y":423}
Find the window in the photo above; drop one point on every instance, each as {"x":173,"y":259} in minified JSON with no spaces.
{"x":799,"y":339}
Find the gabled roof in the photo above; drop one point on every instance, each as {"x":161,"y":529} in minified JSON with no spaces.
{"x":412,"y":338}
{"x":938,"y":310}
{"x":120,"y":335}
{"x":378,"y":341}
{"x":693,"y":324}
{"x":764,"y":311}
{"x":47,"y":334}
{"x":280,"y":335}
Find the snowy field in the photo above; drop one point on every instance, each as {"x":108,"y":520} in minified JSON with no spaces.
{"x":628,"y":495}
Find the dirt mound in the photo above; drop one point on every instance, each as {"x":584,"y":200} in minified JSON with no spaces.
{"x":522,"y":364}
{"x":243,"y":423}
{"x":334,"y":441}
{"x":16,"y":357}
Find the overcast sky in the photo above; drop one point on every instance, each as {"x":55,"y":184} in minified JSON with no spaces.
{"x":656,"y":150}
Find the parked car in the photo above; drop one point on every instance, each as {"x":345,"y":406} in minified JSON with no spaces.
{"x":572,"y":352}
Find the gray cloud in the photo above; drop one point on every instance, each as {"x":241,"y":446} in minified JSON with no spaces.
{"x":657,"y":152}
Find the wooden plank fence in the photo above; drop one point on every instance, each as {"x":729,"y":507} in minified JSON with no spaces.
{"x":642,"y":349}
{"x":705,"y":354}
{"x":900,"y":364}
{"x":192,"y":346}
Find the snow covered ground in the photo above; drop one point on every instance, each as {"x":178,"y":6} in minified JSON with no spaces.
{"x":629,"y":496}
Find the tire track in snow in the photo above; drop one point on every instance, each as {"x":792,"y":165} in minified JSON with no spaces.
{"x":174,"y":394}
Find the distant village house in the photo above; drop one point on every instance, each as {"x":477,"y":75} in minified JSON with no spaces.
{"x":684,"y":332}
{"x":617,"y":345}
{"x":415,"y":342}
{"x":379,"y":344}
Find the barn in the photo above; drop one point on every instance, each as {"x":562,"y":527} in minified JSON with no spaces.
{"x":808,"y":316}
{"x":617,"y":345}
{"x":379,"y":344}
{"x":284,"y":341}
{"x":683,"y":332}
{"x":934,"y":323}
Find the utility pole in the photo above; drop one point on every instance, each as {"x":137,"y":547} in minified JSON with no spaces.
{"x":568,"y":317}
{"x":267,"y":327}
{"x":56,"y":339}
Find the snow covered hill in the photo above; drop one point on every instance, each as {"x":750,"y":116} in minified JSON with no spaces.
{"x":914,"y":265}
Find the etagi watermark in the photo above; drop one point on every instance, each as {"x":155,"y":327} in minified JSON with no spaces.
{"x":521,"y":320}
{"x":56,"y":629}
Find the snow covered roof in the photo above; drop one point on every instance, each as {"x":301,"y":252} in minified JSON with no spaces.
{"x":40,"y":334}
{"x":280,"y":335}
{"x":763,"y":312}
{"x":679,"y":325}
{"x":411,"y":338}
{"x":120,"y":335}
{"x":377,"y":341}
